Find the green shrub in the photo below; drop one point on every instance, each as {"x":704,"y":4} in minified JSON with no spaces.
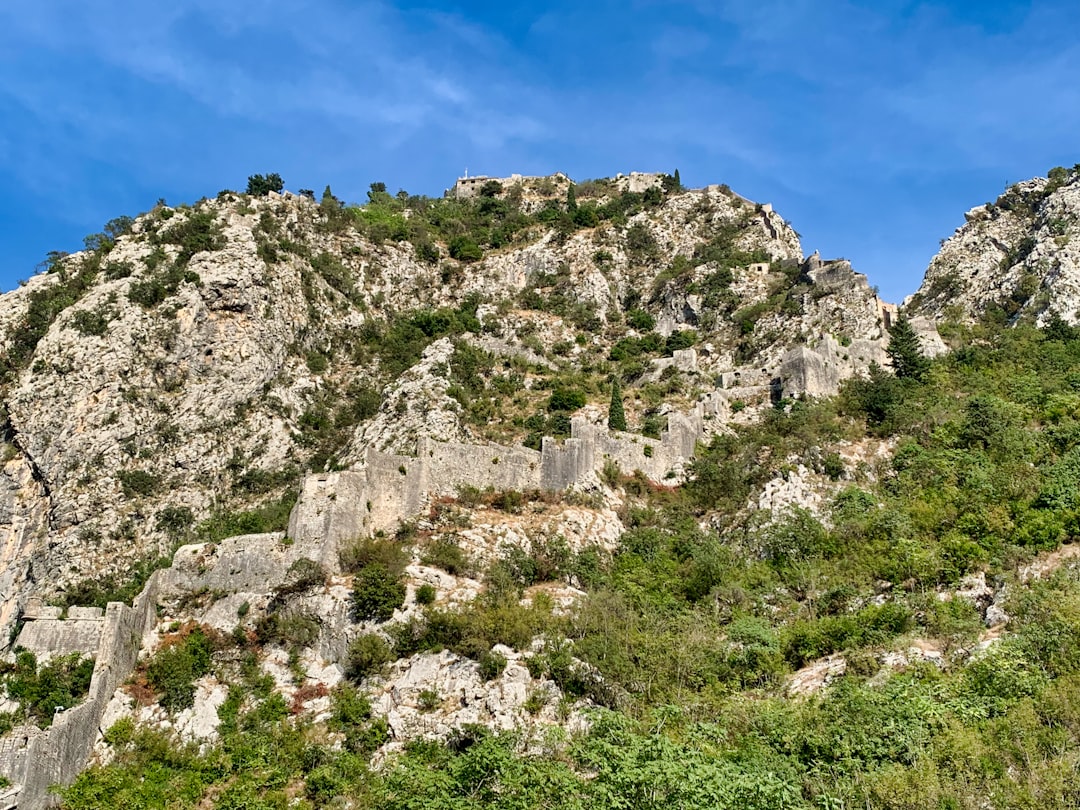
{"x":174,"y":520}
{"x":138,"y":483}
{"x":640,"y":319}
{"x":89,"y":322}
{"x":173,"y":669}
{"x":100,"y":590}
{"x":366,"y":655}
{"x":356,"y":555}
{"x":259,"y":185}
{"x":41,"y":690}
{"x":197,"y":233}
{"x":292,"y":628}
{"x":425,"y":594}
{"x":376,"y":594}
{"x":566,"y":399}
{"x":271,"y":517}
{"x":491,"y":665}
{"x":464,"y":249}
{"x":446,"y":554}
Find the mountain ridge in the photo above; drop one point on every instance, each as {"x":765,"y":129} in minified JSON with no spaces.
{"x":370,"y":451}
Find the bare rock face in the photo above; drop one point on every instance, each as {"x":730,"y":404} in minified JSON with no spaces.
{"x":417,"y":405}
{"x":1018,"y":256}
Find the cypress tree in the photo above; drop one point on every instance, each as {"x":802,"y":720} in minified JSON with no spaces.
{"x":678,"y":182}
{"x":571,"y":199}
{"x":616,"y":416}
{"x":907,"y":358}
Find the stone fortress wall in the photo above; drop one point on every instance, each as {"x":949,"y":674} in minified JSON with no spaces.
{"x":389,"y":488}
{"x":468,"y":187}
{"x":36,"y":759}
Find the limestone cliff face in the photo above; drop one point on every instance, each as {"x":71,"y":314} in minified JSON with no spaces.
{"x":211,"y":356}
{"x":1019,"y":256}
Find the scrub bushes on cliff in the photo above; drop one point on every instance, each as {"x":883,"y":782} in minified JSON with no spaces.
{"x":173,"y":670}
{"x":376,"y":594}
{"x":43,"y":690}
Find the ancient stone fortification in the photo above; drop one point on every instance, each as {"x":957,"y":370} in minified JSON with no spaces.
{"x":389,"y":488}
{"x":35,"y":759}
{"x":467,"y":187}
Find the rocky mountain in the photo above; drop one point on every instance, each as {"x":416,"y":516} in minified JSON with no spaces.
{"x":522,"y":466}
{"x":194,"y":365}
{"x":1018,"y":256}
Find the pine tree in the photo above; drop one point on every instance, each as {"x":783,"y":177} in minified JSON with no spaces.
{"x":616,"y":417}
{"x":259,"y":185}
{"x":907,"y":358}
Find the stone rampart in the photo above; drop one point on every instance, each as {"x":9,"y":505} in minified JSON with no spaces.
{"x":41,"y":759}
{"x":52,"y":638}
{"x":451,"y":465}
{"x":389,"y":488}
{"x":818,"y":371}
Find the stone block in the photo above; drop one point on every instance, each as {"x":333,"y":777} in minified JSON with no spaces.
{"x":87,"y":613}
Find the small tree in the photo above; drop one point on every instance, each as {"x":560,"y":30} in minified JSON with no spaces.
{"x":377,"y":193}
{"x":260,"y":185}
{"x":464,"y":249}
{"x":616,"y":416}
{"x":571,"y":199}
{"x":377,"y":593}
{"x":671,"y":182}
{"x":904,"y":351}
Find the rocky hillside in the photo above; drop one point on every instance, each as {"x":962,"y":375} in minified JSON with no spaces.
{"x":538,"y":494}
{"x":1018,"y":256}
{"x":178,"y":377}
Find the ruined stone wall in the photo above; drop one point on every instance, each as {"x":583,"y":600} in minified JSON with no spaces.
{"x":565,"y":464}
{"x":451,"y":465}
{"x":48,"y":636}
{"x":57,"y":754}
{"x":395,"y":486}
{"x":339,"y":506}
{"x":389,"y":488}
{"x":818,"y":371}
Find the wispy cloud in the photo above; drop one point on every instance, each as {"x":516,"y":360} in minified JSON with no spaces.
{"x":848,"y":114}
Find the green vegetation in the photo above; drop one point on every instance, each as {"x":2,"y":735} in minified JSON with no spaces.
{"x":138,"y":483}
{"x":378,"y":566}
{"x":904,"y":351}
{"x":616,"y":419}
{"x":176,"y":665}
{"x":260,"y":185}
{"x":99,"y":590}
{"x":41,"y":691}
{"x":271,"y":517}
{"x":377,"y":593}
{"x":690,"y":628}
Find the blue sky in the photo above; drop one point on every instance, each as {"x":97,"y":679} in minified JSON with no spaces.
{"x":870,"y":126}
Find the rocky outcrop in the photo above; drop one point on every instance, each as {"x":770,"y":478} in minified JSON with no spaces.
{"x":1018,"y":256}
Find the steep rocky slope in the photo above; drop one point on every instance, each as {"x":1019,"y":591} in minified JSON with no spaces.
{"x":520,"y":474}
{"x":1018,"y":256}
{"x":434,"y":372}
{"x":194,"y":362}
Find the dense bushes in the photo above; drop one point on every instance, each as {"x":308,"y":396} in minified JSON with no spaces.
{"x":174,"y":668}
{"x":41,"y":691}
{"x":377,"y":593}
